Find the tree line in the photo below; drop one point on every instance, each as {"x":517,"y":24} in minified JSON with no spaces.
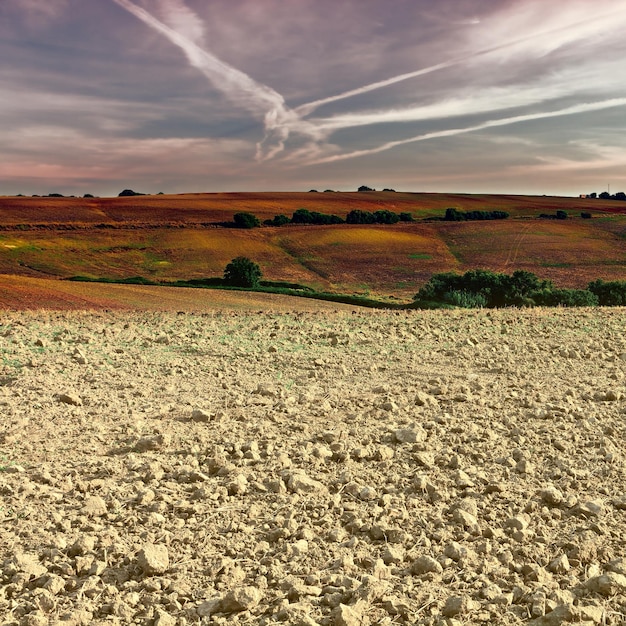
{"x":484,"y":288}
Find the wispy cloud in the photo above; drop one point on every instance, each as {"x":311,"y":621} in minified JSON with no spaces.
{"x":451,"y":132}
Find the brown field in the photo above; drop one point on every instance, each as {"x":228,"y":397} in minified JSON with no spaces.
{"x":26,"y":293}
{"x":167,"y":238}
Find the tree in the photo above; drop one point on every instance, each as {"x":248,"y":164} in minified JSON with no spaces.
{"x":366,"y":188}
{"x":242,"y":272}
{"x":246,"y":220}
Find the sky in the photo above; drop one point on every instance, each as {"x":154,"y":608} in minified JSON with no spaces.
{"x":174,"y":96}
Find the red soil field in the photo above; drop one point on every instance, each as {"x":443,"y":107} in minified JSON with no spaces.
{"x":172,"y":237}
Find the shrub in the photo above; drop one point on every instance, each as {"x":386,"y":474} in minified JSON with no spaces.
{"x":565,"y":297}
{"x":561,"y":215}
{"x":246,"y":220}
{"x":466,"y":299}
{"x":386,"y":217}
{"x":304,"y":216}
{"x":490,"y":289}
{"x":242,"y":272}
{"x":406,"y":217}
{"x":454,"y":215}
{"x":278,"y":220}
{"x":611,"y":293}
{"x":366,"y":188}
{"x":585,"y":215}
{"x":357,"y":216}
{"x":129,"y":192}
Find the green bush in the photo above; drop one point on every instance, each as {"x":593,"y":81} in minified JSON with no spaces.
{"x":278,"y":220}
{"x":246,"y":220}
{"x":242,"y":272}
{"x":611,"y":293}
{"x":566,"y":297}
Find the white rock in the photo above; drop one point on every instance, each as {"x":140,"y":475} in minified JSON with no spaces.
{"x":153,"y":559}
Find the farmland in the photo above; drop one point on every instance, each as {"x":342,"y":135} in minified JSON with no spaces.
{"x":171,"y":237}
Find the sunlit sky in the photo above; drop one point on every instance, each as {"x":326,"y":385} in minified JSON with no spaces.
{"x":478,"y":96}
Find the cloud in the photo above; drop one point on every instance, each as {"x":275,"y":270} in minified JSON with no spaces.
{"x":179,"y":17}
{"x":451,"y":132}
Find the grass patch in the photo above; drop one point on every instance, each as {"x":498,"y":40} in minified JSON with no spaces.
{"x":420,"y":256}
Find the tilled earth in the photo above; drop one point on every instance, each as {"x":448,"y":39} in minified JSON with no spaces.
{"x":436,"y":468}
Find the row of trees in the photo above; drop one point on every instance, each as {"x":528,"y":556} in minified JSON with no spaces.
{"x":484,"y":288}
{"x":304,"y":216}
{"x":454,"y":215}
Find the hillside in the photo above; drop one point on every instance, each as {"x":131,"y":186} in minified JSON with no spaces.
{"x":169,"y":237}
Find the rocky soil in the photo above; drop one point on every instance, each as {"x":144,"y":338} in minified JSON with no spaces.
{"x":435,"y":468}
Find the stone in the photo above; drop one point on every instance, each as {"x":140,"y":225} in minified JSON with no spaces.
{"x":560,"y":565}
{"x":301,"y":483}
{"x":410,"y":435}
{"x":94,"y":506}
{"x":607,"y":584}
{"x":345,"y":615}
{"x":458,"y":605}
{"x":425,"y":564}
{"x":199,"y":415}
{"x":241,"y":599}
{"x":70,"y":398}
{"x":153,"y":559}
{"x":552,"y":496}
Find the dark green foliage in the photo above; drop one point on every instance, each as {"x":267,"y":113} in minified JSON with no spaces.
{"x":357,"y":216}
{"x":406,"y":217}
{"x":246,"y":220}
{"x":129,"y":192}
{"x":388,"y":189}
{"x":278,"y":220}
{"x":242,"y":272}
{"x":312,"y":190}
{"x":454,"y":215}
{"x":366,"y":188}
{"x":561,"y":215}
{"x":386,"y":217}
{"x":304,"y":216}
{"x":611,"y":293}
{"x":483,"y":288}
{"x":585,"y":215}
{"x":88,"y":195}
{"x":565,"y":297}
{"x":360,"y":217}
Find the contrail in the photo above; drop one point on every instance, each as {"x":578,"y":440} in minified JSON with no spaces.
{"x":507,"y":121}
{"x":306,"y":109}
{"x":257,"y":97}
{"x":260,"y":99}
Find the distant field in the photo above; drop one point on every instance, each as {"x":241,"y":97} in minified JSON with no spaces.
{"x":165,"y":238}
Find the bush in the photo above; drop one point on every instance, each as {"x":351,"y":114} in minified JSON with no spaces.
{"x":128,"y":193}
{"x":357,"y":216}
{"x":489,"y":288}
{"x":246,"y":220}
{"x":611,"y":293}
{"x":278,"y":220}
{"x":585,"y":215}
{"x":406,"y":217}
{"x":304,"y":216}
{"x":561,"y":215}
{"x":454,"y":215}
{"x":386,"y":217}
{"x":366,"y":188}
{"x":566,"y":297}
{"x":242,"y":272}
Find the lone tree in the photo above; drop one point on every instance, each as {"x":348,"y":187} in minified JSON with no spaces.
{"x":242,"y":272}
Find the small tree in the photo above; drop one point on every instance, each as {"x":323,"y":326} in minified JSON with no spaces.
{"x":246,"y":220}
{"x":242,"y":272}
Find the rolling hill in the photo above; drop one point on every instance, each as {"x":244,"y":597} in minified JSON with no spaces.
{"x":170,"y":237}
